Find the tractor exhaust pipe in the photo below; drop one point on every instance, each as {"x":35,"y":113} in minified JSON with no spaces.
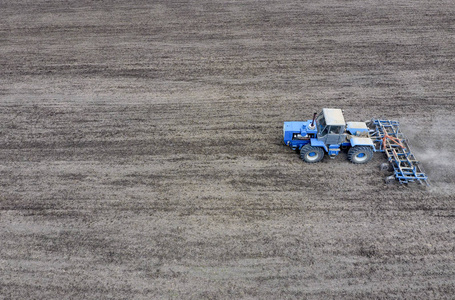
{"x":314,"y":117}
{"x":312,"y":122}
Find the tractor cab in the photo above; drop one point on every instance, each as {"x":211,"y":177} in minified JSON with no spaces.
{"x":331,"y":126}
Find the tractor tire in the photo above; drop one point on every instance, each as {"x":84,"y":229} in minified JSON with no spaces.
{"x":311,"y":154}
{"x":360,"y":155}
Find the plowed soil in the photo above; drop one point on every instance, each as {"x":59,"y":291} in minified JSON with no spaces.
{"x":141,"y":156}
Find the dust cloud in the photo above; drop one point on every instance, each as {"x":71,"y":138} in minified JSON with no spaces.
{"x":432,"y":146}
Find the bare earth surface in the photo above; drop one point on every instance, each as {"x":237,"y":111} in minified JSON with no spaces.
{"x":141,"y":156}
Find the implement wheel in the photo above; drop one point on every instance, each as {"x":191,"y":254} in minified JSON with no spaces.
{"x":385,"y":167}
{"x":360,"y":155}
{"x":390,"y":179}
{"x":311,"y":154}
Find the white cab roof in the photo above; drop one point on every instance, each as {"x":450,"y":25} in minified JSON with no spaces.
{"x":333,"y":116}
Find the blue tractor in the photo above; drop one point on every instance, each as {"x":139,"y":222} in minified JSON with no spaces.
{"x":328,"y":133}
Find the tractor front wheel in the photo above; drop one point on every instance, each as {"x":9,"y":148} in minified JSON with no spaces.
{"x":360,"y":155}
{"x":311,"y":154}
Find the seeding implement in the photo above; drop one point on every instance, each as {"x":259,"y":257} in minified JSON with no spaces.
{"x":328,"y":133}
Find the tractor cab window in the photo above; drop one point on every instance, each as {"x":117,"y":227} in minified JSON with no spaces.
{"x":330,"y":130}
{"x":324,"y":131}
{"x":320,"y":121}
{"x":335,"y":130}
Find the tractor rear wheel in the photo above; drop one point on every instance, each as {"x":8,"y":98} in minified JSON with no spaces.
{"x":360,"y":155}
{"x":311,"y":154}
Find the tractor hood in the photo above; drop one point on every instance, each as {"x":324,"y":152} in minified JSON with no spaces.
{"x":294,"y":129}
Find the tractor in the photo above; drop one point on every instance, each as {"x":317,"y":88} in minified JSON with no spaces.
{"x":328,"y":133}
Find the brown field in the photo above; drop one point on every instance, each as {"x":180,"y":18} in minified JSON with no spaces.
{"x":141,"y":156}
